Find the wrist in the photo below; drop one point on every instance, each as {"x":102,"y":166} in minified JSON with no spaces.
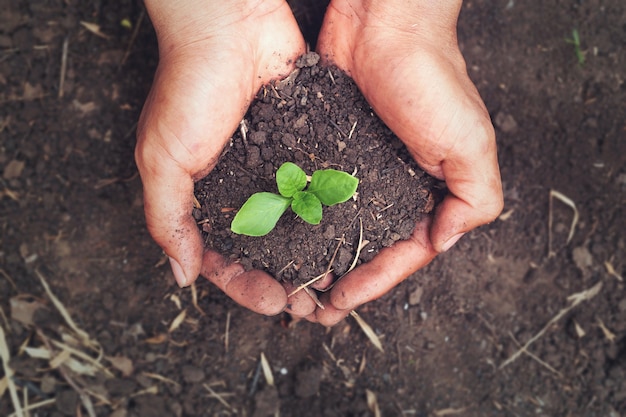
{"x":354,"y":28}
{"x":184,"y":22}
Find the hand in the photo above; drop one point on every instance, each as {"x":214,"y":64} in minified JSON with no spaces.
{"x":213,"y":59}
{"x":404,"y":57}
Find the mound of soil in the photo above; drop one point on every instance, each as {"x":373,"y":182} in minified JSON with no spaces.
{"x":318,"y":119}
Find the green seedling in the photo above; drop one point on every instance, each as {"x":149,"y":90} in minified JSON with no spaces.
{"x":575,"y":40}
{"x":260,"y":213}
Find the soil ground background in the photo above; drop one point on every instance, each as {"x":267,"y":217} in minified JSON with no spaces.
{"x":71,"y":212}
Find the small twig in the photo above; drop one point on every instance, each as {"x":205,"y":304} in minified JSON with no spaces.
{"x":352,"y":130}
{"x":66,"y":42}
{"x":284,"y":268}
{"x":575,"y":299}
{"x":338,"y":128}
{"x":255,"y":379}
{"x":8,"y":277}
{"x":535,"y":357}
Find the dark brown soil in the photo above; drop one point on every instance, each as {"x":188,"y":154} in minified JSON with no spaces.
{"x":318,"y":119}
{"x":70,"y":206}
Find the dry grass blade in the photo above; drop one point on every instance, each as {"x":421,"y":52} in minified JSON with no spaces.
{"x":328,"y":270}
{"x":450,"y":412}
{"x":66,"y":42}
{"x":369,"y":332}
{"x":4,"y":385}
{"x":217,"y":396}
{"x":8,"y":372}
{"x":611,"y":271}
{"x":360,"y":245}
{"x":63,"y":358}
{"x":537,"y":359}
{"x":4,"y":318}
{"x":93,"y":28}
{"x":310,"y":282}
{"x":160,"y":378}
{"x":84,"y":398}
{"x":35,"y":406}
{"x":83,"y":336}
{"x":60,"y":359}
{"x":82,"y":355}
{"x":194,"y":299}
{"x":574,"y":299}
{"x":227,"y":333}
{"x":154,"y":390}
{"x":566,"y":200}
{"x":372,"y":403}
{"x":609,"y":335}
{"x":267,"y":371}
{"x":122,"y":364}
{"x":315,"y":298}
{"x":178,"y":321}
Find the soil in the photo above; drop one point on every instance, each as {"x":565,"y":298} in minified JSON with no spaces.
{"x":71,"y":212}
{"x":318,"y":119}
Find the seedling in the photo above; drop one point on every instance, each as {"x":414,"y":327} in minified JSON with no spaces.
{"x":575,"y":40}
{"x":260,"y":213}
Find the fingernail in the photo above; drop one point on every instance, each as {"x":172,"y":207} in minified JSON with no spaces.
{"x":179,"y":274}
{"x":450,"y":242}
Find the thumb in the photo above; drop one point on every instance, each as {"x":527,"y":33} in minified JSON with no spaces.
{"x":168,"y":194}
{"x":473,"y":179}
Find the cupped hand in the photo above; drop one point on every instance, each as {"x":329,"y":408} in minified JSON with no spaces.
{"x":213,"y":59}
{"x":404,"y":57}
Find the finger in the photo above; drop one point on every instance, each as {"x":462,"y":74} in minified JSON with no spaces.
{"x":254,"y":289}
{"x":473,"y":178}
{"x":323,"y":283}
{"x":329,"y":315}
{"x":375,"y":278}
{"x":168,"y":193}
{"x":300,"y":304}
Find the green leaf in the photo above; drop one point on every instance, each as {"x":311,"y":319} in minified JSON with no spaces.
{"x":259,"y":215}
{"x":290,"y":179}
{"x":332,"y":186}
{"x":307,"y":206}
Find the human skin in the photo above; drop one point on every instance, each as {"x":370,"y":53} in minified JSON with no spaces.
{"x":403,"y":55}
{"x":213,"y":58}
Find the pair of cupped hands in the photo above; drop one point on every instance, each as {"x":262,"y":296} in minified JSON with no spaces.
{"x":404,"y":57}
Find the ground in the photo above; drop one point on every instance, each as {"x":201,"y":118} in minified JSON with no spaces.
{"x":71,"y":215}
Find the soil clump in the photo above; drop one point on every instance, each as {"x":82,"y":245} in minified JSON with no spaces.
{"x":318,"y":119}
